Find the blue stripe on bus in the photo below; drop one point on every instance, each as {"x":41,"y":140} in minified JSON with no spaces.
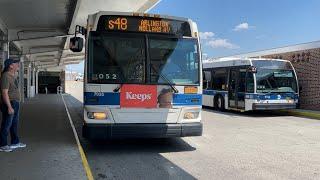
{"x":107,"y":98}
{"x":260,"y":96}
{"x":214,"y":92}
{"x":187,"y":99}
{"x":271,"y":96}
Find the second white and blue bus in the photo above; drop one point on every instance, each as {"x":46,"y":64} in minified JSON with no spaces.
{"x":250,"y":84}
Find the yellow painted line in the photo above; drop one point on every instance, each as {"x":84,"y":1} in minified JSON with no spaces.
{"x":305,"y":114}
{"x":82,"y":154}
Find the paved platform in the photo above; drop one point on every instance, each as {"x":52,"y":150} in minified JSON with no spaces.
{"x":51,"y":152}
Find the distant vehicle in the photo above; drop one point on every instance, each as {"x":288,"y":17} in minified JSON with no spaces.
{"x":79,"y":77}
{"x":142,"y":76}
{"x":250,"y":84}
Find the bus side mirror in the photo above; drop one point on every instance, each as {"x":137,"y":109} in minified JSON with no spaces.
{"x":76,"y":44}
{"x":300,"y":88}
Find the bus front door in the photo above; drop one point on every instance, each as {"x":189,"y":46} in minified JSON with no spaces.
{"x":236,"y":88}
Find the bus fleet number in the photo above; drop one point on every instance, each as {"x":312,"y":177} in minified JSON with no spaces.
{"x":98,"y":94}
{"x":107,"y":76}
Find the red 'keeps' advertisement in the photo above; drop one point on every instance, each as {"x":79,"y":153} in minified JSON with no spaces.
{"x":138,"y":96}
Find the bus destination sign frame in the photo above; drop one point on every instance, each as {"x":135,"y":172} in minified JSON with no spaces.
{"x":143,"y":25}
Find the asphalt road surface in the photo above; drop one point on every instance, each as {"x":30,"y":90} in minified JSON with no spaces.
{"x":262,"y":145}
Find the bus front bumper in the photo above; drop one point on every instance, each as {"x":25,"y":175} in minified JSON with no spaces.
{"x":107,"y":131}
{"x":273,"y":106}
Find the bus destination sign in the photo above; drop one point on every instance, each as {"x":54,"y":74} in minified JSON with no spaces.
{"x":158,"y":26}
{"x":143,"y":24}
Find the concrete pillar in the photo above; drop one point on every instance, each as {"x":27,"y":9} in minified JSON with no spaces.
{"x":63,"y":81}
{"x":37,"y":82}
{"x":33,"y":85}
{"x":29,"y":80}
{"x":21,"y":79}
{"x":33,"y":76}
{"x":5,"y":53}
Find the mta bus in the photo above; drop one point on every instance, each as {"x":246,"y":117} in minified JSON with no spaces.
{"x":246,"y":84}
{"x":143,"y":76}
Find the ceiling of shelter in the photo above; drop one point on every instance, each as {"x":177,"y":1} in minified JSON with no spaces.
{"x":39,"y":29}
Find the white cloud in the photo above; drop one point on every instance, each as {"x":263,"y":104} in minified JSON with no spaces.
{"x":222,"y":43}
{"x":242,"y":26}
{"x":209,"y":39}
{"x":206,"y":35}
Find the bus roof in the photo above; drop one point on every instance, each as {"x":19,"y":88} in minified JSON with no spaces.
{"x":228,"y":62}
{"x":101,"y":13}
{"x":93,"y":19}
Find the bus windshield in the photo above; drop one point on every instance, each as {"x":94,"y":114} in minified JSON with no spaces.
{"x":275,"y":76}
{"x":122,"y":58}
{"x":176,"y":60}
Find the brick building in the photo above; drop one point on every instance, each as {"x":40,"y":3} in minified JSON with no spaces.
{"x":306,"y":60}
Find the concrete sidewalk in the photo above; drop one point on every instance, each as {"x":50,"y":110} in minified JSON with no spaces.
{"x":303,"y":113}
{"x":51,"y":152}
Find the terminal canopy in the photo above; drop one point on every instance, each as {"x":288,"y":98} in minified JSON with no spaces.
{"x":39,"y":29}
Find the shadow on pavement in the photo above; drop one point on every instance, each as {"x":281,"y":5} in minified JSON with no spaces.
{"x":141,"y":145}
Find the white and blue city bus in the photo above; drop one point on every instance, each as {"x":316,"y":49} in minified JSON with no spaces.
{"x":246,"y":84}
{"x":143,"y":76}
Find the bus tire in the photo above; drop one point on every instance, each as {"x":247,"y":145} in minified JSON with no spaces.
{"x":219,"y":103}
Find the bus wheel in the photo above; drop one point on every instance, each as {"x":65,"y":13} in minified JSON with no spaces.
{"x":219,"y":103}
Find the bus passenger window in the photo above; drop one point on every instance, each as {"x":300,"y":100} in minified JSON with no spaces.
{"x":242,"y":81}
{"x":249,"y":83}
{"x":219,"y":79}
{"x":207,"y":80}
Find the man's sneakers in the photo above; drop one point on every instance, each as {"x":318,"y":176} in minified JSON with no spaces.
{"x":18,"y":145}
{"x":5,"y":148}
{"x":12,"y":147}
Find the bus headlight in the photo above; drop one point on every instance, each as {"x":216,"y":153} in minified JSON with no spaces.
{"x":191,"y":115}
{"x":97,"y":115}
{"x":290,"y":101}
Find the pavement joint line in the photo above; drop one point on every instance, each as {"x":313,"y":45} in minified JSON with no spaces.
{"x":82,"y":154}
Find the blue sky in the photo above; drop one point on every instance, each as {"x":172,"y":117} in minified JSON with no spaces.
{"x":237,"y":26}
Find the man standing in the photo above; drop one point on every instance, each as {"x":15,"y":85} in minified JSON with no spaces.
{"x":10,"y":99}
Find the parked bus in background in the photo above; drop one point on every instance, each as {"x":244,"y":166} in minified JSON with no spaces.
{"x":250,"y":84}
{"x":143,"y":76}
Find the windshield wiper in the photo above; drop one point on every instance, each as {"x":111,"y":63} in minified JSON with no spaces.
{"x":117,"y":89}
{"x":166,"y":79}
